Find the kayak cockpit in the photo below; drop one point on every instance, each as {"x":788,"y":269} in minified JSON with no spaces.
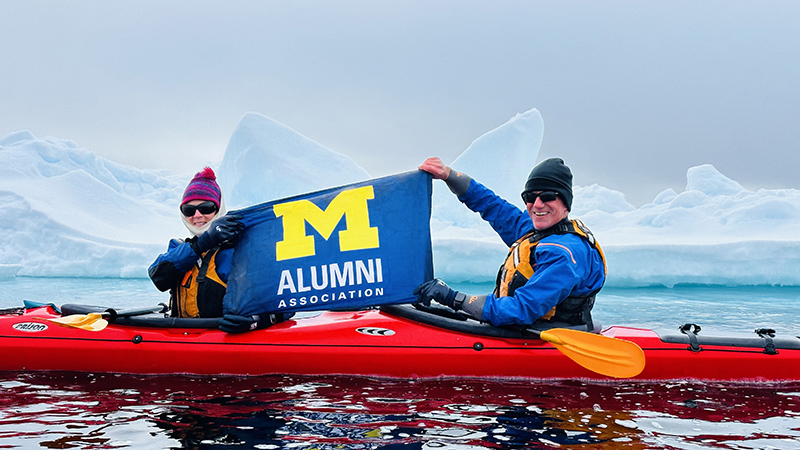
{"x":455,"y":321}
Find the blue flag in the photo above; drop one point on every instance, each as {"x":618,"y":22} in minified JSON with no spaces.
{"x":348,"y":247}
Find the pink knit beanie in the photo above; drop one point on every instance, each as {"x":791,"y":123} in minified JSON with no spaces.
{"x":203,"y":187}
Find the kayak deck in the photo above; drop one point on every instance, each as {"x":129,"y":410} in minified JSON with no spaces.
{"x":397,"y":341}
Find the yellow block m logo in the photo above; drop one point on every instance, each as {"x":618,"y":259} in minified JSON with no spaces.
{"x":352,"y":204}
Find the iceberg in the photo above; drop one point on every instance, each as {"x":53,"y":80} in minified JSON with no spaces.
{"x":266,"y":161}
{"x":71,"y":213}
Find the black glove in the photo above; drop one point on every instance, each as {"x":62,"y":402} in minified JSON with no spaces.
{"x":437,"y":290}
{"x":231,"y":323}
{"x":225,"y":229}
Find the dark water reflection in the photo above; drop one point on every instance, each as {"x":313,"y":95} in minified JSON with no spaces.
{"x":63,"y":411}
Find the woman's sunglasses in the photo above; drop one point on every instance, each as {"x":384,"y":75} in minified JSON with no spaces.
{"x":546,"y":196}
{"x":204,"y":208}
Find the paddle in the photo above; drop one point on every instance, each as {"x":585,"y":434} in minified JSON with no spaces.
{"x":99,"y":320}
{"x":602,"y":354}
{"x":605,"y":355}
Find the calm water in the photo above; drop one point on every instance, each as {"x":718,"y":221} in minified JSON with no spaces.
{"x":95,"y":411}
{"x":712,"y":307}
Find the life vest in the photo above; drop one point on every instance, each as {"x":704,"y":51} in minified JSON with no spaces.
{"x":519,"y":265}
{"x":201,"y":290}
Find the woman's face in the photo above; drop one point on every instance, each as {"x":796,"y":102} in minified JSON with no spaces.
{"x":193,"y":210}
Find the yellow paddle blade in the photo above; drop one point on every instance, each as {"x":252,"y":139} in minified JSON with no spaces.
{"x":616,"y":358}
{"x":90,"y":322}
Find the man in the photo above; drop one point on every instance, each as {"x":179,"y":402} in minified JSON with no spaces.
{"x":554,"y":267}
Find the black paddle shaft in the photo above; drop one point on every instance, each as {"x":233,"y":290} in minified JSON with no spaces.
{"x":111,"y":314}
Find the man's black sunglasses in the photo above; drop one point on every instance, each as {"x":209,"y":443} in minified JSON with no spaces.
{"x":546,"y":196}
{"x":204,"y":208}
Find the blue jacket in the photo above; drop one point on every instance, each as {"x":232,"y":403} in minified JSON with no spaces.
{"x":170,"y":268}
{"x":571,"y":267}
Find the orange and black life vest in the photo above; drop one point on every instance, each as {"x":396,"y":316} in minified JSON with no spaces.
{"x":201,"y":290}
{"x":519,"y":265}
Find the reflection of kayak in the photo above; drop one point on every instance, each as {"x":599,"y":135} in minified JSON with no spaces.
{"x":395,"y":341}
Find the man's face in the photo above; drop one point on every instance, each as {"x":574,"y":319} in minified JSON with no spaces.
{"x":546,"y":214}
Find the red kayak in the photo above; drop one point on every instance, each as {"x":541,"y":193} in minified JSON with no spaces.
{"x":393,"y":341}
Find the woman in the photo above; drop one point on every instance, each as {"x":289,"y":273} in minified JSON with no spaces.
{"x":195,"y":270}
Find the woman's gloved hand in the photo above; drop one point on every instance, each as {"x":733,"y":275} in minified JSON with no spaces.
{"x":225,"y":229}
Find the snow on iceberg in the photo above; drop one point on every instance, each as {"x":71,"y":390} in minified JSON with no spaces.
{"x":267,"y":161}
{"x":68,"y":212}
{"x":500,"y":159}
{"x":714,"y":232}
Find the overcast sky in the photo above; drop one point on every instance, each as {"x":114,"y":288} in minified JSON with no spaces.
{"x":632,"y":93}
